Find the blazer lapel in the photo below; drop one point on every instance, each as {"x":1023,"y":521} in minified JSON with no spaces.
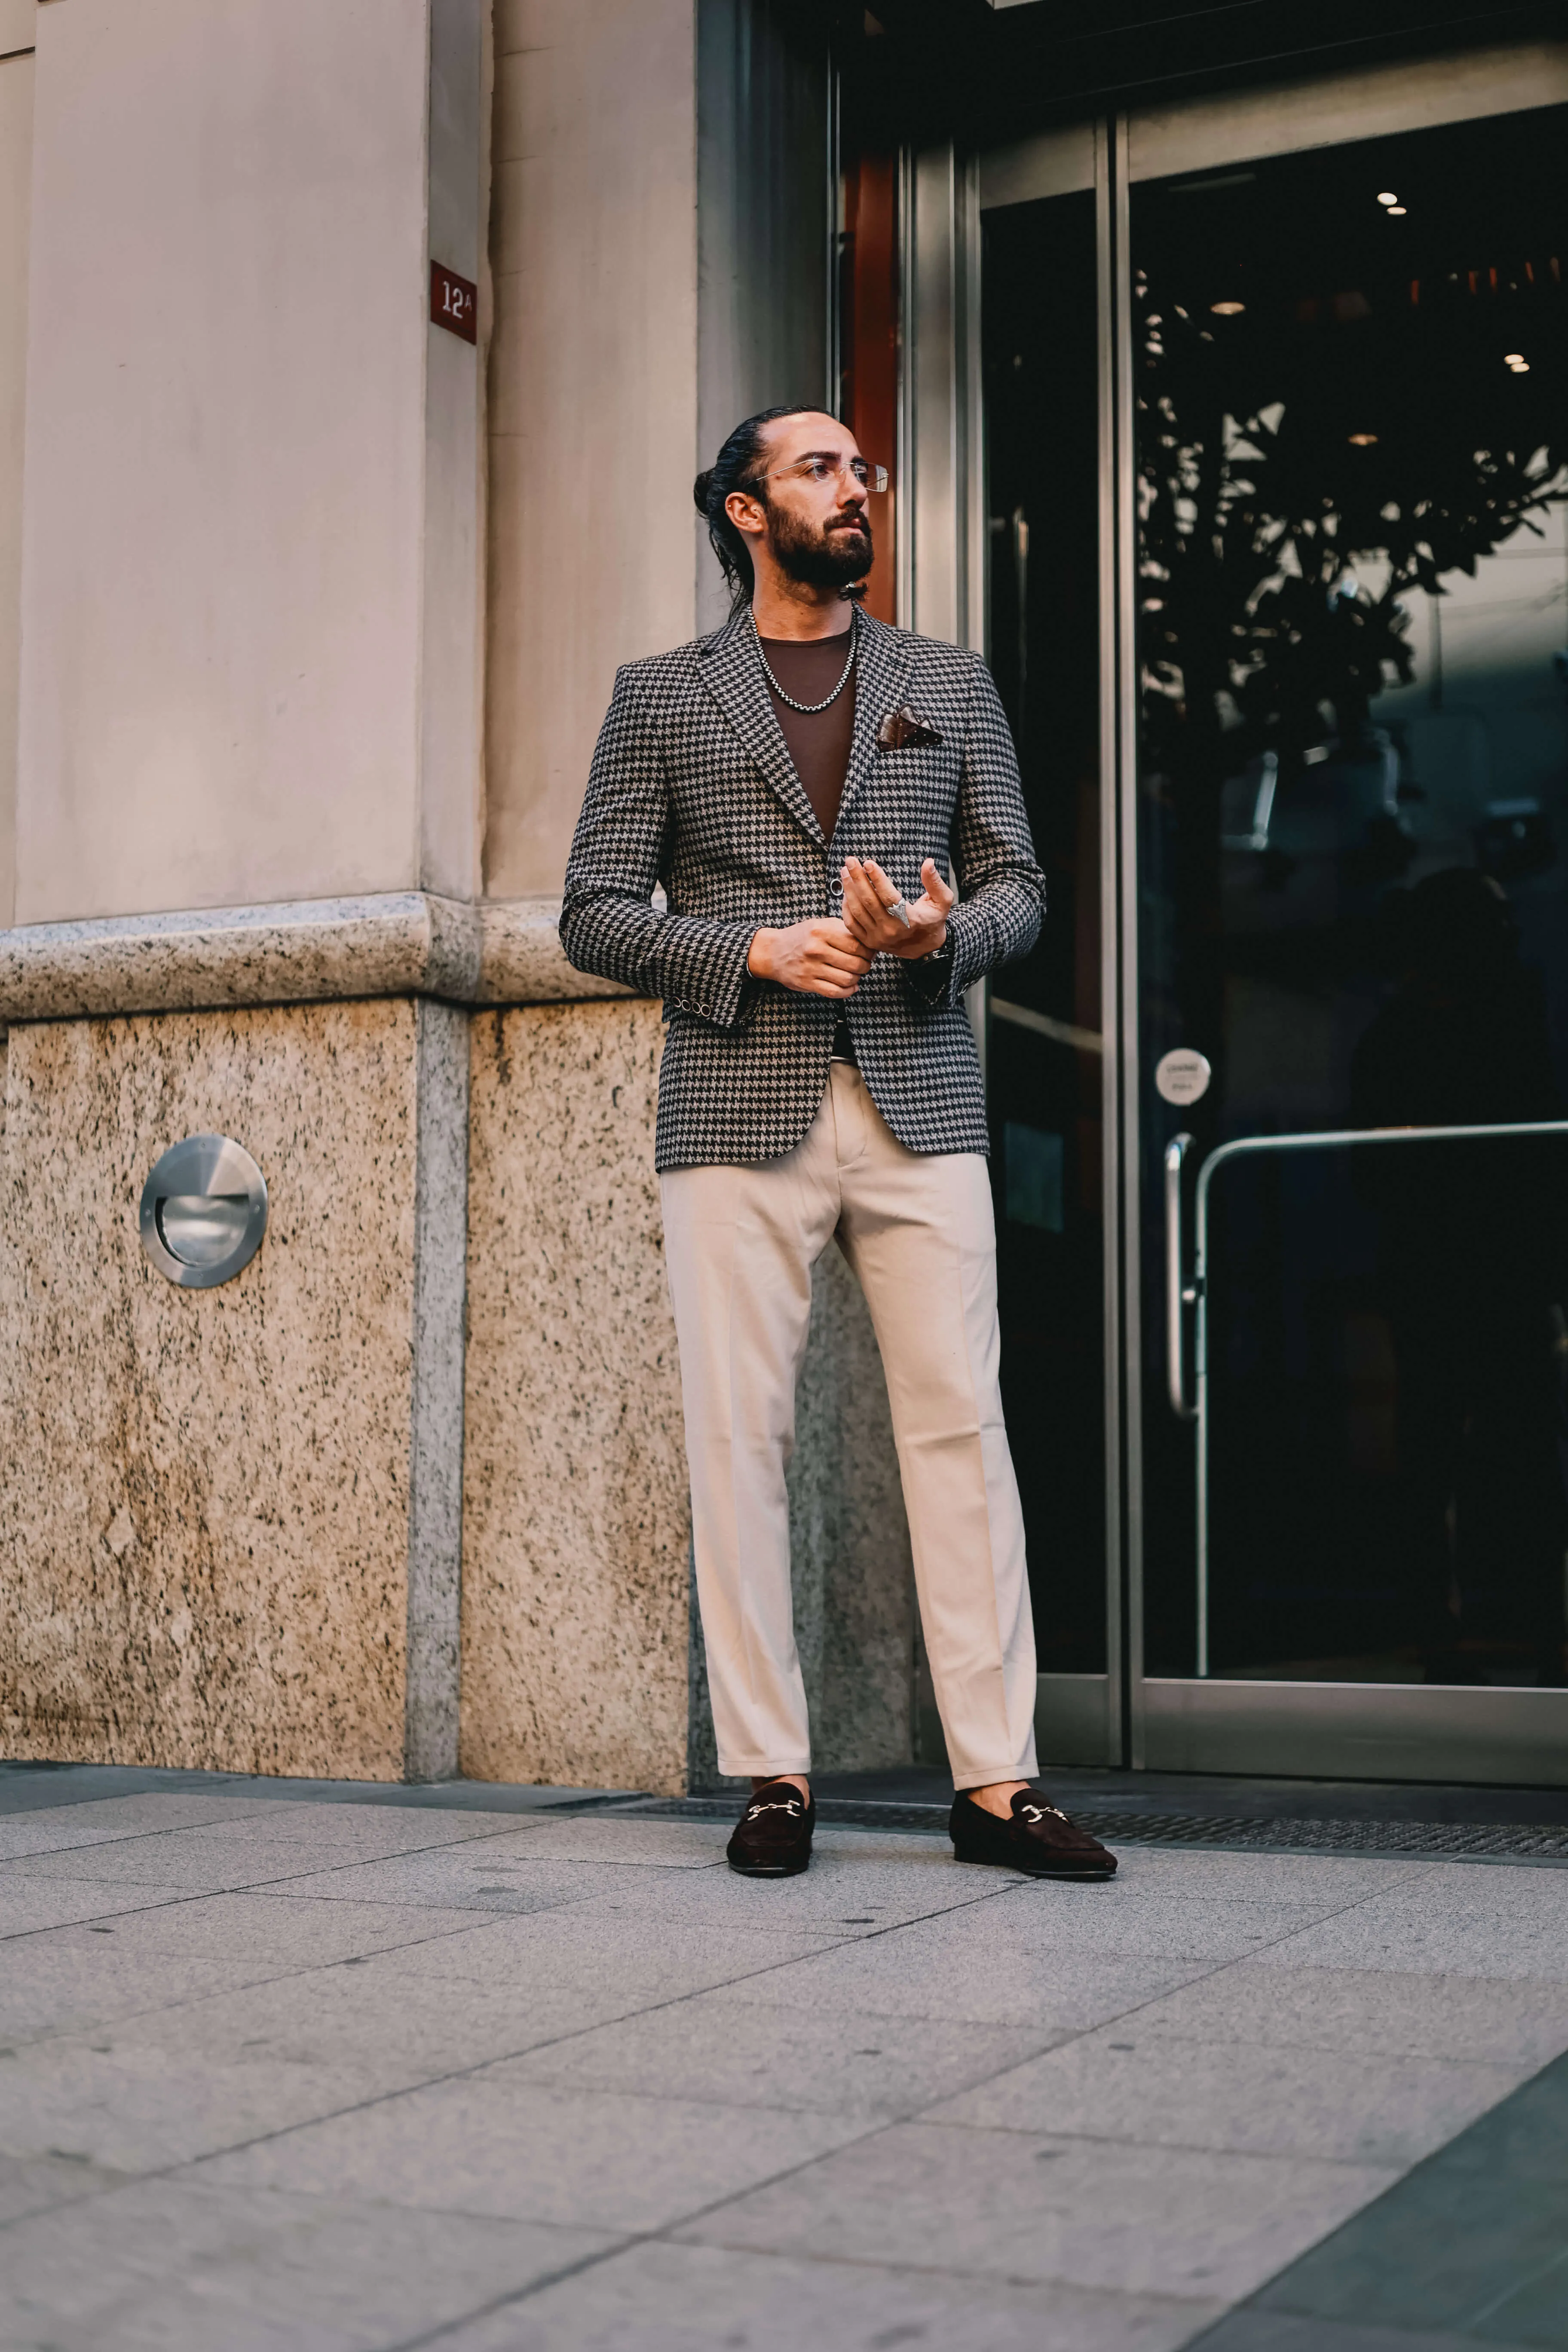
{"x":733,"y":673}
{"x":879,"y":674}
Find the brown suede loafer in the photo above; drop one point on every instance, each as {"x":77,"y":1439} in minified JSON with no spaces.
{"x":1038,"y":1839}
{"x":772,"y":1836}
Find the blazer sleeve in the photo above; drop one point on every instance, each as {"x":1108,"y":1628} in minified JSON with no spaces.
{"x":1001,"y":889}
{"x":608,"y":925}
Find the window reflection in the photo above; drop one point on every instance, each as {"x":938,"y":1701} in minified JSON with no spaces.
{"x":1349,"y":376}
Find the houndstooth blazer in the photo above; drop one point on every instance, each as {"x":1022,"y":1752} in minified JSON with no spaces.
{"x":692,"y":786}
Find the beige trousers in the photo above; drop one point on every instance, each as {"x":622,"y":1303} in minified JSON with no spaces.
{"x":919,"y":1234}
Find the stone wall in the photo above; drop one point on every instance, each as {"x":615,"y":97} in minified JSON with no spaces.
{"x":205,"y":1495}
{"x":576,"y":1523}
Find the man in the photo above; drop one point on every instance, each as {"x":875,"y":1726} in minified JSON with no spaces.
{"x":801,"y":783}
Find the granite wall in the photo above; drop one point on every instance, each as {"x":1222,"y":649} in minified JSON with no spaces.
{"x":231,"y":1520}
{"x":576,"y":1608}
{"x":576,"y":1521}
{"x":205,"y":1495}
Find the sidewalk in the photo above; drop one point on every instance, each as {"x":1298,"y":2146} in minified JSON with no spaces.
{"x":307,"y":2076}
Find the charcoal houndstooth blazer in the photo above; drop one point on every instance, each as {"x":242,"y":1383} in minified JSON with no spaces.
{"x":692,"y":785}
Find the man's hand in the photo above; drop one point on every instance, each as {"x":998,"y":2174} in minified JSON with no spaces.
{"x":868,"y":893}
{"x":821,"y":957}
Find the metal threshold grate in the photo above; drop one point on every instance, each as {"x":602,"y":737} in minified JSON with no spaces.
{"x":1270,"y":1836}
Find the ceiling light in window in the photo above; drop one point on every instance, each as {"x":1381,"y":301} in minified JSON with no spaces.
{"x":1362,"y":440}
{"x":1396,"y":212}
{"x":1520,"y":367}
{"x":1227,"y":310}
{"x":1388,"y":197}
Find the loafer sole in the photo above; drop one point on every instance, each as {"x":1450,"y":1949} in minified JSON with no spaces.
{"x":769,"y":1869}
{"x":1091,"y":1873}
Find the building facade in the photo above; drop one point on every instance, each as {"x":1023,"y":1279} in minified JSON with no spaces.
{"x":355,"y":361}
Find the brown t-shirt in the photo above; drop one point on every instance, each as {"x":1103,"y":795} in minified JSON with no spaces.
{"x":818,"y":744}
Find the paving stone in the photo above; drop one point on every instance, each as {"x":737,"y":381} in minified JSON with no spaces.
{"x":851,"y":1894}
{"x":79,"y":1976}
{"x":611,"y":1837}
{"x":114,"y":1818}
{"x":1455,"y":1919}
{"x":659,"y":2298}
{"x":1015,"y":2205}
{"x":1507,"y":2023}
{"x":1139,"y":1919}
{"x":612,"y":1957}
{"x":1334,"y":1880}
{"x":746,"y":2054}
{"x":182,"y":2265}
{"x":411,"y":2064}
{"x":170,"y":2084}
{"x":941,"y":1968}
{"x":36,"y":2184}
{"x":1248,"y":2097}
{"x":211,"y":1859}
{"x":29,"y":1906}
{"x":496,"y":2144}
{"x":271,"y":1925}
{"x":465,"y":1879}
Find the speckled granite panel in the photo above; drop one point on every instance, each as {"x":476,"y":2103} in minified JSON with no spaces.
{"x":306,"y":952}
{"x":204,"y":1506}
{"x":522,"y":961}
{"x":577,"y":1521}
{"x":435,"y":1446}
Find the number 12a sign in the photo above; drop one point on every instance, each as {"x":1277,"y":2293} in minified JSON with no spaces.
{"x":454,"y":302}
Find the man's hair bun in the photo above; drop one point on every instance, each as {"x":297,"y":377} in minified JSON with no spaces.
{"x":737,"y":467}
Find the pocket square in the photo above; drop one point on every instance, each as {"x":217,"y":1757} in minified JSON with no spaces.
{"x":904,"y":730}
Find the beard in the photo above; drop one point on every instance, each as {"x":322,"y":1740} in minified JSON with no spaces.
{"x":834,"y":555}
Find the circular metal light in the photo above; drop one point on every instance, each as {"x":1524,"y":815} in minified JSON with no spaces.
{"x":204,"y":1211}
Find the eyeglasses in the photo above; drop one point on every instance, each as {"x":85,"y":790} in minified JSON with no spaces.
{"x":827,"y":469}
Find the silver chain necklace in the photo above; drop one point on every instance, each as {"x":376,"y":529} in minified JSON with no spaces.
{"x":808,"y":709}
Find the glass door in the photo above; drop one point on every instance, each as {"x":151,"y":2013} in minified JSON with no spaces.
{"x":1331,"y":623}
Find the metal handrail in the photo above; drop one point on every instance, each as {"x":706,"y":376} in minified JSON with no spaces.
{"x":1198,"y":1293}
{"x":1179,"y":1294}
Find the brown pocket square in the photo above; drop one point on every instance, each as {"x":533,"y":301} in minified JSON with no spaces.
{"x":904,"y":730}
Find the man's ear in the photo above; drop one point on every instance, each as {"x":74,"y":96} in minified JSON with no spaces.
{"x":745,"y":512}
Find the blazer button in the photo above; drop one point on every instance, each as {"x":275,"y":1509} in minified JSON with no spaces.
{"x":835,"y":885}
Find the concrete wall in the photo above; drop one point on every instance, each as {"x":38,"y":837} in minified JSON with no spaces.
{"x":15,"y":186}
{"x":223,"y":556}
{"x":593,"y":400}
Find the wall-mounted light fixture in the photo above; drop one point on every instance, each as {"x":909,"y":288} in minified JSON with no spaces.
{"x":204,"y":1211}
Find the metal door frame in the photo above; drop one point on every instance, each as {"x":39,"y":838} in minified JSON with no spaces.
{"x":1127,"y":1715}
